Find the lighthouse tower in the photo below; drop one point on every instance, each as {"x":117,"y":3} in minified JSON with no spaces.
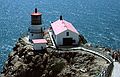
{"x":36,"y":30}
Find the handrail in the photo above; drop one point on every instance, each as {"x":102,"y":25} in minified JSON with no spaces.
{"x":106,"y":72}
{"x":100,"y":52}
{"x":94,"y":52}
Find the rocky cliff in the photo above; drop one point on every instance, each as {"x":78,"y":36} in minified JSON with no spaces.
{"x":23,"y":61}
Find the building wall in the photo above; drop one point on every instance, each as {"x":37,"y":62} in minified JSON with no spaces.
{"x":36,"y":27}
{"x":39,"y":46}
{"x":74,"y":36}
{"x":35,"y":32}
{"x":35,"y":36}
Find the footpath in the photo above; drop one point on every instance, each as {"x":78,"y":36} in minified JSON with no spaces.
{"x":116,"y":70}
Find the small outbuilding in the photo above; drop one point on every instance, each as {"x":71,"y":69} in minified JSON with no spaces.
{"x":64,"y":33}
{"x":39,"y":44}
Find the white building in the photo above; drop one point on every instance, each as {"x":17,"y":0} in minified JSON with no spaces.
{"x":64,"y":33}
{"x":35,"y":30}
{"x":39,"y":44}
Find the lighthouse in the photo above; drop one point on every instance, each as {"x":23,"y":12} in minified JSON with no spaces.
{"x":36,"y":30}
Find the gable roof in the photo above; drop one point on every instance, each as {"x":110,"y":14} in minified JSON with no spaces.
{"x":60,"y":26}
{"x":39,"y":41}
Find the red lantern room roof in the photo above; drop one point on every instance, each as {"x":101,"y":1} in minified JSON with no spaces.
{"x":36,"y":12}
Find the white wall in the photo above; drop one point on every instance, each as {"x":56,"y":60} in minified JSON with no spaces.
{"x":35,"y":36}
{"x":35,"y":27}
{"x":34,"y":32}
{"x":74,"y":36}
{"x":38,"y":46}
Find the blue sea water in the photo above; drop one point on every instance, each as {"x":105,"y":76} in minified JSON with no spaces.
{"x":97,"y":20}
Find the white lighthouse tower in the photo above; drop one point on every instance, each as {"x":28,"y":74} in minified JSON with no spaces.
{"x":36,"y":30}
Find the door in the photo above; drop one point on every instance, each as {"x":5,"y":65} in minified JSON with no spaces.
{"x":67,"y":41}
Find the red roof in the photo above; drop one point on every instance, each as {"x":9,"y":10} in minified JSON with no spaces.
{"x":38,"y":13}
{"x":60,"y":26}
{"x":39,"y":41}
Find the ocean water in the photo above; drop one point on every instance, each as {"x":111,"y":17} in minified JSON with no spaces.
{"x":97,"y":20}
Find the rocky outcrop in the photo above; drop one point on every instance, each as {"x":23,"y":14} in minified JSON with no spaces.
{"x":23,"y":61}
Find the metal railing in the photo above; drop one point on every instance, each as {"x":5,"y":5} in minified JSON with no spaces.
{"x":107,"y":71}
{"x":100,"y":52}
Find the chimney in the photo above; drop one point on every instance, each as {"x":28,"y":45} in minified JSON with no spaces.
{"x":61,"y":17}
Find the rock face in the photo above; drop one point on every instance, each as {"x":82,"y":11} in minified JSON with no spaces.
{"x":25,"y":62}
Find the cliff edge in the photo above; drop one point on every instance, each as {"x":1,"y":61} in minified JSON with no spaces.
{"x":23,"y":61}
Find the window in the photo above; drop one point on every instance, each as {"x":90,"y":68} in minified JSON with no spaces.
{"x":67,"y":34}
